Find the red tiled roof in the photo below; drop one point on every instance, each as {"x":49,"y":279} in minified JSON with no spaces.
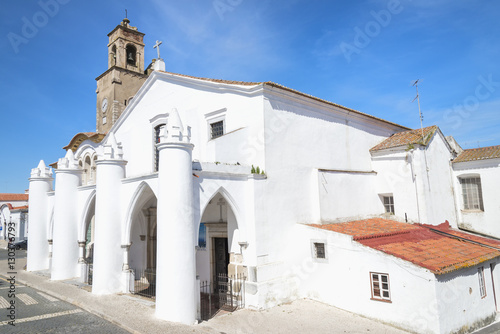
{"x":20,"y":207}
{"x":272,"y":84}
{"x":437,"y":248}
{"x":407,"y":138}
{"x":13,"y":197}
{"x":482,"y":153}
{"x":369,"y":228}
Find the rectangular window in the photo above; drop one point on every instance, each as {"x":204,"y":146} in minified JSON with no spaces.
{"x":482,"y":286}
{"x":217,"y":129}
{"x":319,"y":250}
{"x":103,"y":120}
{"x":472,"y":193}
{"x":380,"y":286}
{"x":389,"y":204}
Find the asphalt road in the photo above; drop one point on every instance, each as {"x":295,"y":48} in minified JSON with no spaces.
{"x":37,"y":312}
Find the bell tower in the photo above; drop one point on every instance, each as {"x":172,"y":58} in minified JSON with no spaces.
{"x":125,"y":74}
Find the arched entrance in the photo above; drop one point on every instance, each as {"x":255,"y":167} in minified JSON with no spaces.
{"x":86,"y":241}
{"x":219,"y":260}
{"x":142,"y":253}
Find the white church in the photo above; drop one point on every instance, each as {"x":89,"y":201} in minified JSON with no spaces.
{"x":188,"y":180}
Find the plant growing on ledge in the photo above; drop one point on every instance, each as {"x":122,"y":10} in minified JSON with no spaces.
{"x":256,"y":170}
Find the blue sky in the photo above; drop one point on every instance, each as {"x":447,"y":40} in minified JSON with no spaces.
{"x":364,"y":55}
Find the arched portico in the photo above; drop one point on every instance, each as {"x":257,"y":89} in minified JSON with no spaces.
{"x":219,"y":257}
{"x":86,"y":238}
{"x":141,"y":236}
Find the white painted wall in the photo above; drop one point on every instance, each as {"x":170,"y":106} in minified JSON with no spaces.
{"x":487,"y":221}
{"x":194,"y":99}
{"x":344,"y":195}
{"x":459,"y":301}
{"x":420,"y":180}
{"x":437,"y":191}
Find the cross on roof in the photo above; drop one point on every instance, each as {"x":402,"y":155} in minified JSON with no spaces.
{"x":157,"y":47}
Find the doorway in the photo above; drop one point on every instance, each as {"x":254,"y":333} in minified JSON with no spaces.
{"x":221,"y":257}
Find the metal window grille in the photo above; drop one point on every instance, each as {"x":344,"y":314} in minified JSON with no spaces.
{"x":482,"y":286}
{"x":319,"y":250}
{"x":157,"y":140}
{"x":389,"y":204}
{"x":217,"y":129}
{"x":472,"y":193}
{"x":380,"y":286}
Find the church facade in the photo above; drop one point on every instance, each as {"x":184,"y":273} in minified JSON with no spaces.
{"x":189,"y":178}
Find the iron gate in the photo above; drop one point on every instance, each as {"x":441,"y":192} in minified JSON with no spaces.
{"x":227,"y":293}
{"x":145,"y":283}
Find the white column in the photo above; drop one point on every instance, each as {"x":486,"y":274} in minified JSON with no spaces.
{"x":65,"y":231}
{"x":176,"y":266}
{"x":108,"y":254}
{"x":127,"y":274}
{"x":40,"y":183}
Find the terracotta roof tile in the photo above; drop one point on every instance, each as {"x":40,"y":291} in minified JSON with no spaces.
{"x":368,"y":228}
{"x":13,"y":197}
{"x":483,"y":153}
{"x":437,"y":248}
{"x":20,"y":207}
{"x":82,"y":136}
{"x":406,"y":138}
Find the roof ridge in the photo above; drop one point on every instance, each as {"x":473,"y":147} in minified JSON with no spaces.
{"x":381,"y":235}
{"x":273,"y":84}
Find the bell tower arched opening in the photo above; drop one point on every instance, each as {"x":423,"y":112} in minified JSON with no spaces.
{"x":124,"y":76}
{"x":131,"y":52}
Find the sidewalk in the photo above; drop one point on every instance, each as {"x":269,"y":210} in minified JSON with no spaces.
{"x":137,"y":315}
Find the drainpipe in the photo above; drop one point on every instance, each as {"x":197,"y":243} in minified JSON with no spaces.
{"x":415,"y":182}
{"x":453,"y":191}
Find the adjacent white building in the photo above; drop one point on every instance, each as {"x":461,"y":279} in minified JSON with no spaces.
{"x":198,"y":179}
{"x":14,"y":215}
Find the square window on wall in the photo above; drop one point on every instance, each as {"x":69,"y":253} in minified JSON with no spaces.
{"x":217,"y":129}
{"x":216,"y":123}
{"x":472,"y":193}
{"x":388,"y":201}
{"x":380,"y":288}
{"x":319,"y":250}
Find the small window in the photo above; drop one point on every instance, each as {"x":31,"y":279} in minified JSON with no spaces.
{"x":319,"y":250}
{"x":472,"y":193}
{"x":217,"y":129}
{"x":389,"y":204}
{"x":104,"y":120}
{"x":380,"y":286}
{"x":158,"y":130}
{"x":482,"y":286}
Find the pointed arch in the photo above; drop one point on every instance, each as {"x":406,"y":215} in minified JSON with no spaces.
{"x":87,"y":213}
{"x":50,"y":226}
{"x":141,"y":196}
{"x":232,"y":204}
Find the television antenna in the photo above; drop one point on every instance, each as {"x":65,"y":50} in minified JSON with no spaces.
{"x":419,"y":110}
